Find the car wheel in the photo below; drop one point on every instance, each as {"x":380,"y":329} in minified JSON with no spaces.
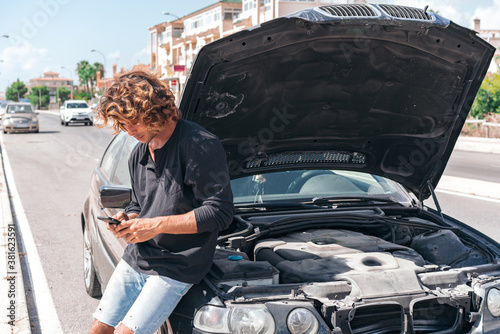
{"x":66,"y":123}
{"x":92,"y":284}
{"x":164,"y":329}
{"x":62,"y":122}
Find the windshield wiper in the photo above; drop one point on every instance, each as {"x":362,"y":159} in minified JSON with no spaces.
{"x":278,"y":205}
{"x":351,"y":199}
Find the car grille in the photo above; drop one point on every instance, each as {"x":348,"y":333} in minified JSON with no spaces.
{"x":367,"y":11}
{"x":405,"y":12}
{"x":427,"y":316}
{"x":349,"y":10}
{"x":377,"y":319}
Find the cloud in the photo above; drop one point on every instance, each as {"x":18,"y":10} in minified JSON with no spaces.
{"x":489,"y":15}
{"x":142,"y":56}
{"x":22,"y":61}
{"x":114,"y":55}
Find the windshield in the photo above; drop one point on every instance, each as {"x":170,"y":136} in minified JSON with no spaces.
{"x":19,"y":109}
{"x":77,"y":105}
{"x":306,"y":185}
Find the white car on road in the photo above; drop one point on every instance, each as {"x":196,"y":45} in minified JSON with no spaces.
{"x":76,"y":111}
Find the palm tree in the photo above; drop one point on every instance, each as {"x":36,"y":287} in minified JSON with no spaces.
{"x":84,"y":71}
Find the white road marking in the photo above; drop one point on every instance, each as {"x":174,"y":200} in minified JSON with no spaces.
{"x":497,"y":201}
{"x":475,"y":188}
{"x":47,"y":315}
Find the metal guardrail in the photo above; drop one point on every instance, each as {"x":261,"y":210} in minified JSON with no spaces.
{"x":484,"y":123}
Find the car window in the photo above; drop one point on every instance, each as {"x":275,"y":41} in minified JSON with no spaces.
{"x":308,"y":184}
{"x":77,"y":105}
{"x":19,"y":109}
{"x":122,"y":175}
{"x":110,"y":156}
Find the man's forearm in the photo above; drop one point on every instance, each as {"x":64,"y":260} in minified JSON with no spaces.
{"x":178,"y":224}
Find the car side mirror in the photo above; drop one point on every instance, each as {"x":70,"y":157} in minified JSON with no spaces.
{"x":62,"y":108}
{"x":115,"y":197}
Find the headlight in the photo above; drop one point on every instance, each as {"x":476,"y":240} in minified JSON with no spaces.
{"x":212,"y":319}
{"x":493,"y":302}
{"x":251,"y":319}
{"x":34,"y":120}
{"x":239,"y":319}
{"x":302,"y":321}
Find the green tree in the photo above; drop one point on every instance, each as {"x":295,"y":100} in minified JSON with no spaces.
{"x":85,"y":72}
{"x":488,"y":97}
{"x":16,"y":91}
{"x":36,"y":93}
{"x":64,"y":94}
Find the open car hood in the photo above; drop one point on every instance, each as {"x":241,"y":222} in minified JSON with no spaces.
{"x":381,"y":89}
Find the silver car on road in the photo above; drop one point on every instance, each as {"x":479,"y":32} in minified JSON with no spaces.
{"x":20,"y":117}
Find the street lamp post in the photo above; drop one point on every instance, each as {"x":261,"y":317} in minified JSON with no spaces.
{"x":103,"y":57}
{"x":71,"y":76}
{"x":167,"y":13}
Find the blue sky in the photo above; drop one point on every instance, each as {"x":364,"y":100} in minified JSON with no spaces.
{"x":48,"y":34}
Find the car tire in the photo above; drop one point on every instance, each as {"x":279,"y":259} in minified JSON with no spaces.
{"x":92,"y":284}
{"x":66,"y":123}
{"x":164,"y":329}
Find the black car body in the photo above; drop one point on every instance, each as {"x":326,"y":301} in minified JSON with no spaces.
{"x":338,"y":122}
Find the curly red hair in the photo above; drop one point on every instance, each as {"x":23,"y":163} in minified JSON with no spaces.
{"x":136,"y":97}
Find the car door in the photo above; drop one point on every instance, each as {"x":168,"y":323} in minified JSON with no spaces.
{"x":112,"y":170}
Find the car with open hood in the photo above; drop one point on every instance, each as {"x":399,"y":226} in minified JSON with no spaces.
{"x":338,"y":122}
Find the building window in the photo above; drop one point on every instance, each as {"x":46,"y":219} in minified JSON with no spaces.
{"x":249,"y":5}
{"x":178,"y":32}
{"x":231,"y":13}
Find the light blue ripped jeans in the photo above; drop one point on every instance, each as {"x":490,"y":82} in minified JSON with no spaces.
{"x":141,"y":302}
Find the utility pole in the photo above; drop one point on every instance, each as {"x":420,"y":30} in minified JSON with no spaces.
{"x":71,"y":76}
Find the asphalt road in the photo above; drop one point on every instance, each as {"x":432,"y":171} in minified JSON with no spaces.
{"x":52,"y":172}
{"x":474,"y":165}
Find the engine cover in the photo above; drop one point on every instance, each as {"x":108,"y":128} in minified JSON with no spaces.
{"x":325,"y":255}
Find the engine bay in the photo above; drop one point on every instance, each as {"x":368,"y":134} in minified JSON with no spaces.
{"x":354,"y":246}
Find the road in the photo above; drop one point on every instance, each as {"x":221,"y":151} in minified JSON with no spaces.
{"x":52,"y":172}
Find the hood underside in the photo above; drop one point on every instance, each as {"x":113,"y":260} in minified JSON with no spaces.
{"x":381,"y":94}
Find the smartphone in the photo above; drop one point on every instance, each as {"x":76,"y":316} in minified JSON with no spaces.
{"x":109,"y":220}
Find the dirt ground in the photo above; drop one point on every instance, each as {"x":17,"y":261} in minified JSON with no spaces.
{"x":478,"y":130}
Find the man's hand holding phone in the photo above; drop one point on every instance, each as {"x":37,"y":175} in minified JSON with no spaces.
{"x":109,"y":220}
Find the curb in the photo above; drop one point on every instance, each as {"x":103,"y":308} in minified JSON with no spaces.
{"x":15,"y":317}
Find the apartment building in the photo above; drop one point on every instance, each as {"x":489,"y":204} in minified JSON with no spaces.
{"x":493,"y":37}
{"x":52,"y":81}
{"x":174,"y":44}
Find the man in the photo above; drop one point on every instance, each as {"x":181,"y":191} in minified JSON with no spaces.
{"x":177,"y":208}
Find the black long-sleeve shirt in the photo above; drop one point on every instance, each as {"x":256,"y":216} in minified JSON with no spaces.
{"x":189,"y":173}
